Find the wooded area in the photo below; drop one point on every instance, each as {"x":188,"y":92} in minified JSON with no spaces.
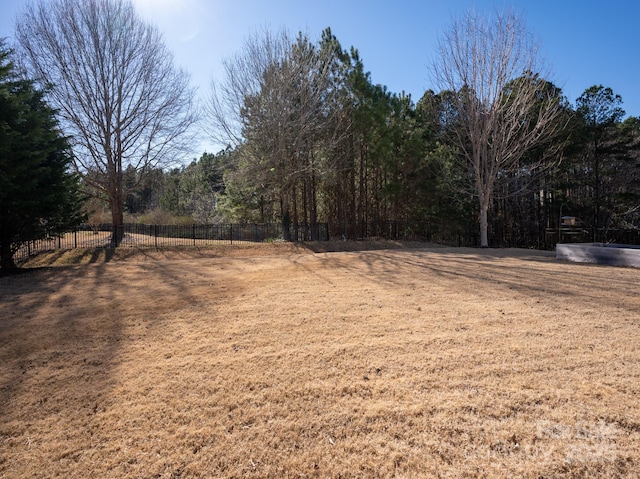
{"x":495,"y":150}
{"x":311,"y":138}
{"x":383,"y":158}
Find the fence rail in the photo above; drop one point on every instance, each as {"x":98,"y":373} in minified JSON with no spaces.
{"x":167,"y":236}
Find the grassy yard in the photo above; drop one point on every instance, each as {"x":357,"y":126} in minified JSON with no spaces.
{"x":281,"y":361}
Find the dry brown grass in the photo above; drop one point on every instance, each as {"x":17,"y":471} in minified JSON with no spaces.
{"x":407,"y":363}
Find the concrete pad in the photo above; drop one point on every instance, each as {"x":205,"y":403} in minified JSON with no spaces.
{"x":600,"y":253}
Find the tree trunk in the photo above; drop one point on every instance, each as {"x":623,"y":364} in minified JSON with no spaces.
{"x":6,"y":256}
{"x":117,"y":220}
{"x":295,"y":220}
{"x":362,"y":192}
{"x":286,"y":216}
{"x":484,"y":221}
{"x":313,"y":212}
{"x":352,"y":216}
{"x":596,"y":209}
{"x":484,"y":240}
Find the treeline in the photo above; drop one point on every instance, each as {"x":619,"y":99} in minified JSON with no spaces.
{"x":494,"y":147}
{"x":321,"y":142}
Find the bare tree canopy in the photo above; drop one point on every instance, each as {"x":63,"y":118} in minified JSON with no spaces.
{"x":115,"y":85}
{"x":244,"y":77}
{"x":279,"y":71}
{"x":502,"y":106}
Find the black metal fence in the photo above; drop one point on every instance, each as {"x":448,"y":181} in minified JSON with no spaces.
{"x":167,"y":236}
{"x":498,"y":237}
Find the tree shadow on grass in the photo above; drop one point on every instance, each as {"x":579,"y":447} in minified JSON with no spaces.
{"x":67,"y":257}
{"x":485,"y":272}
{"x":65,"y":331}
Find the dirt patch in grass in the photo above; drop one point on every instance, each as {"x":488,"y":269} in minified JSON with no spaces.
{"x":423,"y":362}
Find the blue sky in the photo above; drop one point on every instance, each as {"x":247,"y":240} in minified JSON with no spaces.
{"x":586,"y":42}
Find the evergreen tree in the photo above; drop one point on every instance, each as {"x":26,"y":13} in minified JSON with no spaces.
{"x":601,"y":111}
{"x":39,"y":196}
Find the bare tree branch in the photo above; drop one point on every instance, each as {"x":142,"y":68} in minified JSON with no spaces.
{"x":503,"y":107}
{"x":114,"y":83}
{"x":277,"y":107}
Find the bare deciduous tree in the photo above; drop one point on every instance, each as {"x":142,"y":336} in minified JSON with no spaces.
{"x":244,"y":77}
{"x":115,"y":86}
{"x":502,"y":107}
